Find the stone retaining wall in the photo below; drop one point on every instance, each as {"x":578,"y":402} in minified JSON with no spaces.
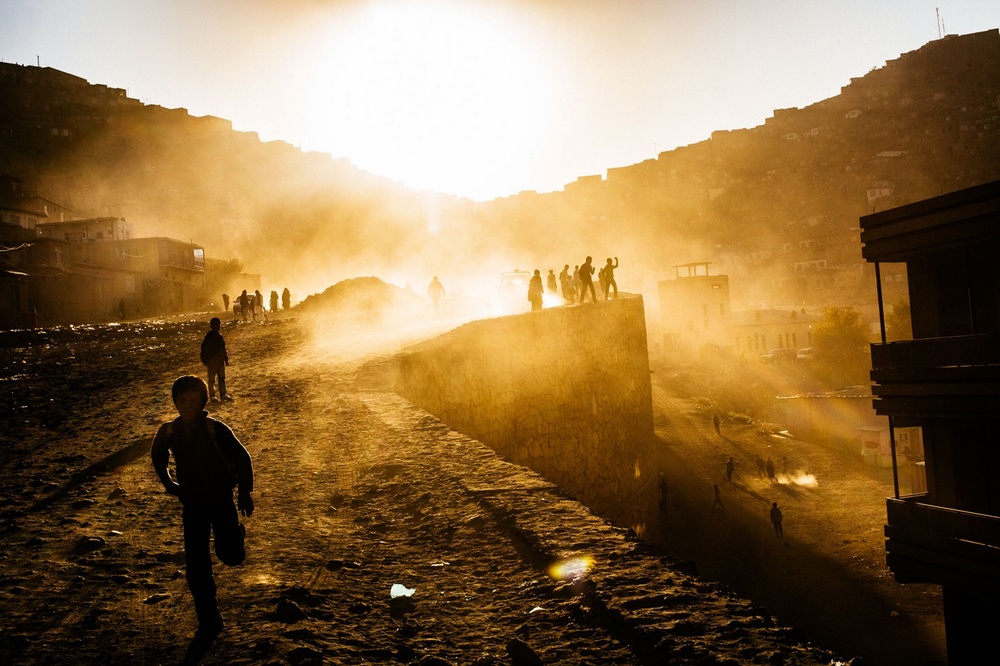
{"x":564,"y":391}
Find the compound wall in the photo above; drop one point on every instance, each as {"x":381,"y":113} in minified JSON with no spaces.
{"x":564,"y":391}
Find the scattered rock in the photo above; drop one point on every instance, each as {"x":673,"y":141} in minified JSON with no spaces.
{"x":337,"y":565}
{"x":289,"y":612}
{"x":404,"y":654}
{"x":117,"y":492}
{"x":302,"y":635}
{"x":521,"y":653}
{"x":88,"y":544}
{"x":176,"y":558}
{"x":156,"y":598}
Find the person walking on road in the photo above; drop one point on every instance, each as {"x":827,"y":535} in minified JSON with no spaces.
{"x":730,"y":468}
{"x":776,"y":519}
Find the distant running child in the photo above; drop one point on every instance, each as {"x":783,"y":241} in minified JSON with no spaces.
{"x":216,"y":358}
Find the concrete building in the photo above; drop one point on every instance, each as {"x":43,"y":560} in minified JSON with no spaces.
{"x":761,"y":331}
{"x":694,"y":309}
{"x":946,"y":381}
{"x":92,"y":229}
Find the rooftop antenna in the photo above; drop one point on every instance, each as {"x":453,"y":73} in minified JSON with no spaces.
{"x":940,"y":23}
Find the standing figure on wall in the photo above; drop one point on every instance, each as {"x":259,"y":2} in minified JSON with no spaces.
{"x":609,"y":278}
{"x":535,"y":290}
{"x":587,"y":280}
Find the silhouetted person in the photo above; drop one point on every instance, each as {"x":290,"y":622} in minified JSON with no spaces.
{"x":258,"y":306}
{"x":209,"y":463}
{"x":716,"y":423}
{"x":761,"y":468}
{"x":769,"y":466}
{"x":286,"y":299}
{"x":32,"y":317}
{"x":551,"y":284}
{"x":216,"y":358}
{"x":587,"y":280}
{"x":776,"y":519}
{"x":609,"y":278}
{"x":718,"y":499}
{"x":564,"y":282}
{"x":435,"y":291}
{"x":244,"y":305}
{"x":535,"y":290}
{"x":730,"y":468}
{"x":602,"y":281}
{"x":121,"y":309}
{"x":274,"y":301}
{"x":225,"y":302}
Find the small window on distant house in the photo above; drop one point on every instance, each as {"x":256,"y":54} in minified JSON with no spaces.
{"x":100,"y":235}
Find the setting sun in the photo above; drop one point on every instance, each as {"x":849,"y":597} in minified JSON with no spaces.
{"x":436,"y":97}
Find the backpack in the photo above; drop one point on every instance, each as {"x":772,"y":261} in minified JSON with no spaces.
{"x":210,"y":426}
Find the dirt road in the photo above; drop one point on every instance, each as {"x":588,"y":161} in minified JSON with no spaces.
{"x":350,"y":503}
{"x":827,"y":576}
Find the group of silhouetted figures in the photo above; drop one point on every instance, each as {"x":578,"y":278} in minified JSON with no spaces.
{"x":574,"y":286}
{"x":250,"y":307}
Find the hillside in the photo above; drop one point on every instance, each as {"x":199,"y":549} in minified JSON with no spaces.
{"x":774,"y":206}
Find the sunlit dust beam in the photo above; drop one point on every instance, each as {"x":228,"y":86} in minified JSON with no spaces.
{"x":551,"y":300}
{"x":807,"y":480}
{"x":571,"y":568}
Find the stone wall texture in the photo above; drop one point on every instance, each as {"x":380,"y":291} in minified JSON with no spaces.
{"x":564,"y":391}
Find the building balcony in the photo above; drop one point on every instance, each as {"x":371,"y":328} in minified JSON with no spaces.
{"x":940,"y":545}
{"x":956,"y":377}
{"x":179,"y":255}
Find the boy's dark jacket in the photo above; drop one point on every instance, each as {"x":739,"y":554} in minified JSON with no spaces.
{"x":213,"y":348}
{"x":208,"y":463}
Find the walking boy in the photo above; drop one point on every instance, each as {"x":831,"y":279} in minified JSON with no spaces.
{"x":209,"y":462}
{"x":216,"y":358}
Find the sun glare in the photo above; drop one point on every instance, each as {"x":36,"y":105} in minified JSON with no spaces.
{"x":431,"y":94}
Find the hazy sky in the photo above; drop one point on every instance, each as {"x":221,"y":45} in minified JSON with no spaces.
{"x":481,"y":98}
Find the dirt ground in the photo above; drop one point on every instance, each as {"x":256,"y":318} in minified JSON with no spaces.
{"x":91,"y":562}
{"x":828,"y":575}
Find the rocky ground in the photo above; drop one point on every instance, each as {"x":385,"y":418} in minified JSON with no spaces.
{"x":356,"y":493}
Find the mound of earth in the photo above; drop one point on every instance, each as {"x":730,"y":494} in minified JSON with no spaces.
{"x":361,"y":294}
